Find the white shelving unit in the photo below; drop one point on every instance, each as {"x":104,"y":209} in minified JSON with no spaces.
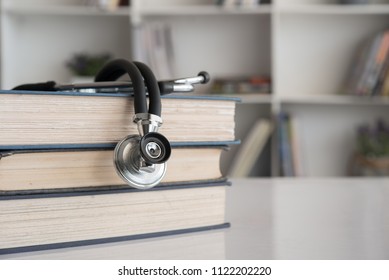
{"x":306,"y":46}
{"x":315,"y":43}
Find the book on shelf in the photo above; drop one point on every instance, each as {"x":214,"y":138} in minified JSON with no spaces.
{"x":233,"y":85}
{"x":385,"y":84}
{"x":238,"y":3}
{"x":66,"y":219}
{"x":382,"y":86}
{"x":154,"y":46}
{"x":251,"y":148}
{"x":289,"y":148}
{"x":109,"y":5}
{"x":368,"y":72}
{"x":36,"y":119}
{"x":26,"y":171}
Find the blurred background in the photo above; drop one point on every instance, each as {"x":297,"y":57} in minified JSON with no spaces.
{"x":312,"y":75}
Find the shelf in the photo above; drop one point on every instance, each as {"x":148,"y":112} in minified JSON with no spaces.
{"x":256,"y":98}
{"x":199,"y":10}
{"x":250,"y":98}
{"x":334,"y":9}
{"x":336,"y":100}
{"x":64,"y":10}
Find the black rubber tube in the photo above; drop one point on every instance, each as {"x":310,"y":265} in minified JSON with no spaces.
{"x":118,"y":67}
{"x":152,"y":87}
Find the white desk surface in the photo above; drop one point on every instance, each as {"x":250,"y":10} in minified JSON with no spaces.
{"x":272,"y":219}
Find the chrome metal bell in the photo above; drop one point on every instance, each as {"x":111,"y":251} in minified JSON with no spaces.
{"x":133,"y":168}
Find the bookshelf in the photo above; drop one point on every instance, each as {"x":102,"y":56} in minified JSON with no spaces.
{"x":306,"y":46}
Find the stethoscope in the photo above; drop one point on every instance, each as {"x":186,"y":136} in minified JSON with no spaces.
{"x":140,"y":160}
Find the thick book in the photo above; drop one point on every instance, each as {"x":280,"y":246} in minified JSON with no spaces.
{"x":52,"y":118}
{"x":45,"y":170}
{"x":58,"y":220}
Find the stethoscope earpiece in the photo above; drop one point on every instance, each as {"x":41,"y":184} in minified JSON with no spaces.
{"x":155,"y":148}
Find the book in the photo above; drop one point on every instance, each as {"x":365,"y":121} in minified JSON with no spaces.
{"x":27,"y":171}
{"x":109,"y":5}
{"x":377,"y":63}
{"x":290,"y":151}
{"x":365,"y":79}
{"x":253,"y":84}
{"x":379,"y":86}
{"x":385,"y":84}
{"x":154,"y":46}
{"x":356,"y":68}
{"x":366,"y":75}
{"x":251,"y":148}
{"x":66,"y":219}
{"x":36,"y":119}
{"x":238,"y":3}
{"x":285,"y":148}
{"x":296,"y":146}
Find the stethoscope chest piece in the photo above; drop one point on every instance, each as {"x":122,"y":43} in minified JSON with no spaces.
{"x":131,"y":166}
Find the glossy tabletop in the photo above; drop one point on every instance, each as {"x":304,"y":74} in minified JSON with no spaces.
{"x":307,"y":218}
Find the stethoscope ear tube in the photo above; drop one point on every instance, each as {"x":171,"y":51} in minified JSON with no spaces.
{"x":152,"y":87}
{"x":118,"y":67}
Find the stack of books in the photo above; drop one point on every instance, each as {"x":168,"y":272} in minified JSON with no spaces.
{"x":58,"y":184}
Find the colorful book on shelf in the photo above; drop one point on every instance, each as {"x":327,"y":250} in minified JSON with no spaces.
{"x":253,"y":84}
{"x":55,"y":170}
{"x":366,"y":77}
{"x":377,"y":64}
{"x":382,"y":86}
{"x":368,"y":70}
{"x":384,"y":91}
{"x":109,"y":5}
{"x":66,"y":219}
{"x":36,"y":119}
{"x":238,"y":3}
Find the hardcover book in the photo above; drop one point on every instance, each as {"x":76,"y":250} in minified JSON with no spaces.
{"x":66,"y":219}
{"x":26,"y":171}
{"x":52,"y":118}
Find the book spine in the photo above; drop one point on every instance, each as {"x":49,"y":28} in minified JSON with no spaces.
{"x":285,"y":148}
{"x":368,"y":69}
{"x":377,"y":67}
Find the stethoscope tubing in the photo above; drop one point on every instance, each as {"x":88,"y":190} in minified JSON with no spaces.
{"x":140,"y":74}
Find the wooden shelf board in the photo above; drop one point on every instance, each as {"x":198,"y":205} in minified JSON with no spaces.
{"x":336,"y":100}
{"x":333,"y":9}
{"x":204,"y":10}
{"x":65,"y":10}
